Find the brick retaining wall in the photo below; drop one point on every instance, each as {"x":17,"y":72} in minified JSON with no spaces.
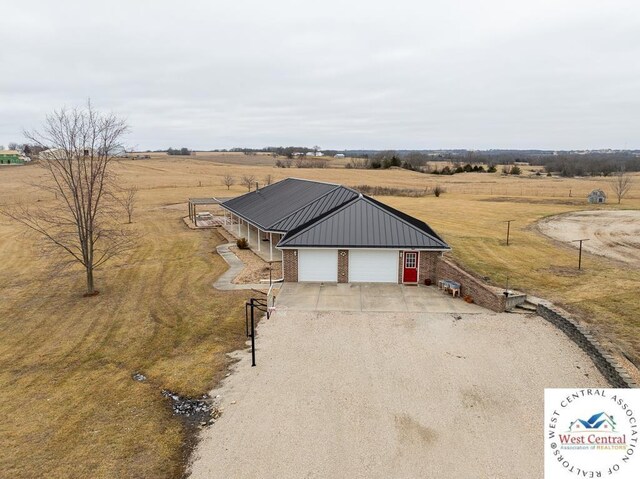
{"x":606,"y":363}
{"x":483,"y":294}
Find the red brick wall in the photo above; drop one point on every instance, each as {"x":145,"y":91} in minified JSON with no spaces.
{"x":428,"y":265}
{"x":290,"y":265}
{"x":343,"y":266}
{"x":483,"y":294}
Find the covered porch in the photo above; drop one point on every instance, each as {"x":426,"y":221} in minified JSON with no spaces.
{"x":261,"y":242}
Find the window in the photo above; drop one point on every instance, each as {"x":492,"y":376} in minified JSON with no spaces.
{"x":410,"y":260}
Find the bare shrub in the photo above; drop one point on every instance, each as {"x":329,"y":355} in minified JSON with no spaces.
{"x":621,"y":184}
{"x":248,"y":181}
{"x":389,"y":191}
{"x":228,"y":180}
{"x":357,"y":163}
{"x":311,"y":163}
{"x":127,"y":199}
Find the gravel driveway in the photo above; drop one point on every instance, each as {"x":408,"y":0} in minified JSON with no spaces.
{"x":390,"y":395}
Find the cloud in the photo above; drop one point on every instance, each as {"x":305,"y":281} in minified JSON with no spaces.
{"x":412,"y":74}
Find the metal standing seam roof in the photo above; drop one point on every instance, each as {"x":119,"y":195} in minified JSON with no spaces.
{"x":364,"y":223}
{"x":274,"y":203}
{"x":322,"y":205}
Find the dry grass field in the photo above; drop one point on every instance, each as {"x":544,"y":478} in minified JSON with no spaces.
{"x":69,"y":405}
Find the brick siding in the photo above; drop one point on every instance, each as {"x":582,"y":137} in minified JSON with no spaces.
{"x":428,"y":266}
{"x":343,"y":266}
{"x":290,"y":265}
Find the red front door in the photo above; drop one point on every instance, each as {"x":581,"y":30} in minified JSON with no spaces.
{"x":410,"y":270}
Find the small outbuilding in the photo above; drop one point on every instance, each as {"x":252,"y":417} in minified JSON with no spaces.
{"x":597,"y":196}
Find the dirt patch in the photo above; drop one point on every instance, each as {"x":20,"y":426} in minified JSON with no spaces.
{"x":612,"y":234}
{"x":256,"y":268}
{"x":412,"y":431}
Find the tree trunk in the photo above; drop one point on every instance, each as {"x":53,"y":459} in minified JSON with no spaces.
{"x":90,"y":288}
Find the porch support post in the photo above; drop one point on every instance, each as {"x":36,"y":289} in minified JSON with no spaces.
{"x":270,"y":247}
{"x":259,"y":241}
{"x":238,"y":226}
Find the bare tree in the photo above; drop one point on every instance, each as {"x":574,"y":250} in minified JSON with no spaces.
{"x":228,"y":180}
{"x":621,"y":184}
{"x":127,"y":199}
{"x":248,"y":181}
{"x":80,"y":221}
{"x":267,"y":180}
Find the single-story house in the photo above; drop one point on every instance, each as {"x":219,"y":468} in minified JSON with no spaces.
{"x":325,"y":232}
{"x":12,"y":157}
{"x":597,"y":196}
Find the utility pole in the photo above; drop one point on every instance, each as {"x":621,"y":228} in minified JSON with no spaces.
{"x":580,"y":251}
{"x":508,"y":229}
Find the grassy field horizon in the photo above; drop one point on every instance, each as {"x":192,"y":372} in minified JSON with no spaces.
{"x":71,"y":406}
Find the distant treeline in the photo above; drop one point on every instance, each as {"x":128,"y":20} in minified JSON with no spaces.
{"x":592,"y":164}
{"x":179,"y":151}
{"x":564,"y":163}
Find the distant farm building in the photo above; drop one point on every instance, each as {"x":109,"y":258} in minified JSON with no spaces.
{"x":597,"y":196}
{"x":12,"y":157}
{"x":339,"y":155}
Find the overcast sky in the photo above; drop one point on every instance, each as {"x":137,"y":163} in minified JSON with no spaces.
{"x":553,"y":74}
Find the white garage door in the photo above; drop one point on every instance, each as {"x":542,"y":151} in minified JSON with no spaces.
{"x":318,"y":265}
{"x":373,"y":266}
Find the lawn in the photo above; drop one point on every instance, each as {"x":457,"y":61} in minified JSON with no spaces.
{"x":69,"y":405}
